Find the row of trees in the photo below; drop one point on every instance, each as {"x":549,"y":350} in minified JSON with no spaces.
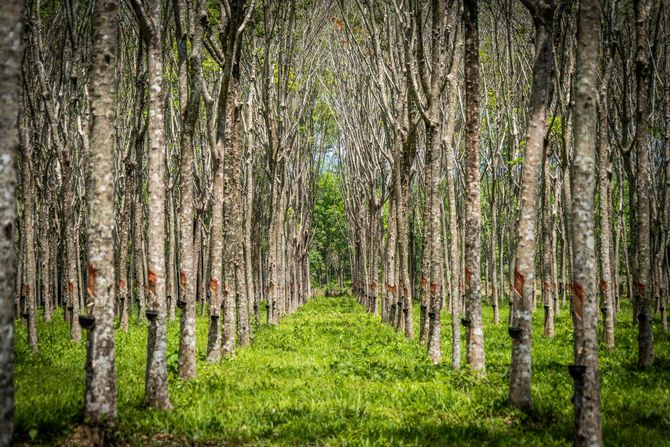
{"x":168,"y":156}
{"x":508,"y":152}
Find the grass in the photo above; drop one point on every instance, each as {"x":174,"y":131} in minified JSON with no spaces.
{"x":330,"y":374}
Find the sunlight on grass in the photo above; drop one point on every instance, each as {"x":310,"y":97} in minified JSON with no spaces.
{"x":332,"y":374}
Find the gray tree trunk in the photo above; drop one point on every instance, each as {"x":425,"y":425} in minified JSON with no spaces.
{"x":584,"y":291}
{"x":548,"y":289}
{"x":642,"y":289}
{"x":156,"y":389}
{"x":100,"y":400}
{"x":187,"y":264}
{"x":607,"y":286}
{"x":450,"y":166}
{"x":473,"y":312}
{"x":524,"y":269}
{"x":11,"y":51}
{"x":28,"y":233}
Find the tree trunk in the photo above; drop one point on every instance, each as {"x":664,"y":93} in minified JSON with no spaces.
{"x":187,"y":264}
{"x":607,"y":286}
{"x":642,"y":289}
{"x":432,"y":166}
{"x":548,"y":288}
{"x":666,"y":207}
{"x":524,"y":269}
{"x":234,"y":230}
{"x":139,"y":263}
{"x":100,"y":401}
{"x":156,"y":390}
{"x":584,"y":292}
{"x":11,"y":51}
{"x":390,"y":286}
{"x":403,"y":247}
{"x":124,"y":239}
{"x":45,"y":254}
{"x":29,"y":270}
{"x":473,"y":312}
{"x":253,"y":297}
{"x":216,"y":272}
{"x":450,"y":167}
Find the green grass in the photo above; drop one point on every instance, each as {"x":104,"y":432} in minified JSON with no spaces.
{"x":332,"y":374}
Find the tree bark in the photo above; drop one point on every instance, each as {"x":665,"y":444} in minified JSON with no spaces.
{"x":403,"y":246}
{"x":100,"y":400}
{"x":11,"y":55}
{"x":156,"y":389}
{"x":450,"y":167}
{"x":473,"y":312}
{"x":642,"y":286}
{"x":584,"y":292}
{"x":524,"y":270}
{"x":548,"y":288}
{"x":28,"y":284}
{"x":234,"y":231}
{"x":187,"y":264}
{"x":607,"y":286}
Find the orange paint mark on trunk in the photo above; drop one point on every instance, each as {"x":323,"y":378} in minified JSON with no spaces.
{"x":213,"y":285}
{"x":578,"y":299}
{"x":91,"y":280}
{"x":468,"y":277}
{"x":433,"y":288}
{"x":424,"y":281}
{"x":122,"y":284}
{"x":518,"y":283}
{"x":152,"y":278}
{"x":182,"y":278}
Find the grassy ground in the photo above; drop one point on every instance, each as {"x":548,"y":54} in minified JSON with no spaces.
{"x":332,"y":374}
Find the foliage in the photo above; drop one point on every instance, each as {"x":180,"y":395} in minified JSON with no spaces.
{"x":332,"y":374}
{"x":329,"y":245}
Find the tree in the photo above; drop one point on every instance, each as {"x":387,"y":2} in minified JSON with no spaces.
{"x":11,"y":51}
{"x":235,"y":293}
{"x":471,"y":268}
{"x":450,"y":167}
{"x":584,"y":293}
{"x":329,"y":243}
{"x":607,"y":285}
{"x":156,"y":384}
{"x":100,"y":402}
{"x":190,"y":112}
{"x":642,"y":283}
{"x":524,"y":271}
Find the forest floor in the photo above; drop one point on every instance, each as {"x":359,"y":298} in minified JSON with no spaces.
{"x":331,"y":374}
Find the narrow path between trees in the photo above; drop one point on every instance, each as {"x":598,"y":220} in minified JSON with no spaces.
{"x":331,"y":374}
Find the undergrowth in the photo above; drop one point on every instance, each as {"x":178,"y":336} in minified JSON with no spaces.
{"x":332,"y":374}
